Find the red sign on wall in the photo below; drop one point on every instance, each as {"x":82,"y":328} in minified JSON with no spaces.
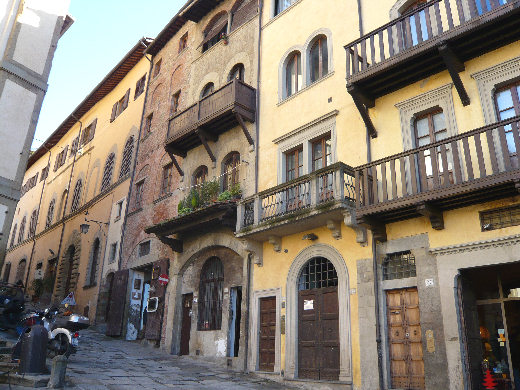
{"x":163,"y":279}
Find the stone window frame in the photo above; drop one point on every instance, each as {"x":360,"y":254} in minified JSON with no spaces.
{"x":255,"y":328}
{"x":304,"y":135}
{"x":91,"y":273}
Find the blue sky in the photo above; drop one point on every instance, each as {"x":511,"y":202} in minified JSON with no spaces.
{"x":103,"y":32}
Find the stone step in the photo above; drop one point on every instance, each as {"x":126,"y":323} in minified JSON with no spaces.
{"x":25,"y":380}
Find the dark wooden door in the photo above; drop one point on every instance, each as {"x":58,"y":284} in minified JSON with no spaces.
{"x":404,"y":334}
{"x":117,"y":303}
{"x":187,"y":304}
{"x":318,"y":334}
{"x":154,"y":319}
{"x":267,"y":350}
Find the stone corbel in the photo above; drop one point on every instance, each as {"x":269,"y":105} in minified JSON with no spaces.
{"x":349,"y":218}
{"x":335,"y":228}
{"x":276,"y":242}
{"x":255,"y":250}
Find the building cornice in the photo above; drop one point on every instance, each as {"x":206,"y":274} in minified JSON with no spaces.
{"x":477,"y":245}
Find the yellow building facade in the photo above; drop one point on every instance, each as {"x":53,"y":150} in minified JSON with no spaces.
{"x":66,"y":234}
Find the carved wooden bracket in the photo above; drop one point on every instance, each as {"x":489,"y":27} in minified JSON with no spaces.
{"x":455,"y":66}
{"x":349,"y":218}
{"x":204,"y":136}
{"x":174,"y":160}
{"x":335,"y":228}
{"x":363,"y":102}
{"x":433,"y":213}
{"x":244,"y":128}
{"x":173,"y":243}
{"x":276,"y":242}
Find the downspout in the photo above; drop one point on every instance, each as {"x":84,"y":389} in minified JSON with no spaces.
{"x":248,"y":306}
{"x":257,"y":116}
{"x":360,"y":18}
{"x":58,"y":254}
{"x":132,"y":177}
{"x":37,"y":218}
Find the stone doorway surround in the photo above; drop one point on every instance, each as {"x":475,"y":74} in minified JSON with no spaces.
{"x":254,"y":330}
{"x":291,"y":338}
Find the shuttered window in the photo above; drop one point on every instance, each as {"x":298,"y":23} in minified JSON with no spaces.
{"x":21,"y":233}
{"x":108,"y":171}
{"x":241,"y":12}
{"x":50,"y":213}
{"x":139,"y":87}
{"x":32,"y":223}
{"x":88,"y":133}
{"x":76,"y":196}
{"x":120,"y":106}
{"x":13,"y":234}
{"x":210,"y":295}
{"x":215,"y":30}
{"x":127,"y":157}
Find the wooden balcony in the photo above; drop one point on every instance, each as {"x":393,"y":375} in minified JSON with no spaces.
{"x":473,"y":167}
{"x":439,"y":35}
{"x":214,"y":114}
{"x":318,"y":199}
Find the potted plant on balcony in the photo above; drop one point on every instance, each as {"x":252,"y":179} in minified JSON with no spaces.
{"x":224,"y":37}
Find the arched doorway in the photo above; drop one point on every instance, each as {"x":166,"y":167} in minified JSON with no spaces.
{"x":20,"y":271}
{"x":318,"y":321}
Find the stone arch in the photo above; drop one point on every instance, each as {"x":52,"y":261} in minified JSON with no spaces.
{"x":69,"y":258}
{"x":155,"y":101}
{"x":239,"y":58}
{"x":93,"y":180}
{"x":291,"y":338}
{"x":99,"y":260}
{"x":105,"y":292}
{"x":212,"y":77}
{"x":157,"y":184}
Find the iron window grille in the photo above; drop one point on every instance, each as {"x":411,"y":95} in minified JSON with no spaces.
{"x":399,"y":265}
{"x":76,"y":196}
{"x":500,"y":218}
{"x":210,"y":295}
{"x":127,"y":157}
{"x":319,"y":272}
{"x":107,"y":173}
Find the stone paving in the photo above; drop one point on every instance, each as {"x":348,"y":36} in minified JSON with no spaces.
{"x":103,"y":363}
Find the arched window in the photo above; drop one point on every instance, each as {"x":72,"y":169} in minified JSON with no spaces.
{"x":7,"y":272}
{"x":32,"y":223}
{"x":76,"y":196}
{"x":200,"y":175}
{"x":231,"y":170}
{"x":21,"y":233}
{"x":208,"y":88}
{"x":61,"y":211}
{"x":281,"y":5}
{"x":50,"y":213}
{"x":409,"y":9}
{"x":107,"y":173}
{"x":241,"y":12}
{"x":237,"y":72}
{"x":319,"y":272}
{"x":215,"y":30}
{"x":13,"y":234}
{"x":20,"y":271}
{"x":319,"y":59}
{"x":210,"y":295}
{"x":127,"y":157}
{"x":91,"y":277}
{"x":293,"y":74}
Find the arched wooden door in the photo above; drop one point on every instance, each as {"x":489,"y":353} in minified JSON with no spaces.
{"x":318,"y":321}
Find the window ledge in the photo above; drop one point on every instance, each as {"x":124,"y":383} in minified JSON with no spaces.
{"x":162,"y":197}
{"x":135,"y":211}
{"x":294,"y":95}
{"x":282,"y":13}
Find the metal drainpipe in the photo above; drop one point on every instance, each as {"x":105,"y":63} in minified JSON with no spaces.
{"x":37,"y":218}
{"x":257,"y":119}
{"x":248,"y":305}
{"x":132,"y":177}
{"x":58,"y":254}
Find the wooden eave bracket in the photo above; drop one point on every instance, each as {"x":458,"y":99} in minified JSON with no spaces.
{"x":172,"y":154}
{"x":349,"y":218}
{"x":173,"y":243}
{"x":433,"y":213}
{"x":204,"y":136}
{"x":377,"y":228}
{"x":454,"y":66}
{"x":244,"y":129}
{"x":276,"y":242}
{"x":363,"y":102}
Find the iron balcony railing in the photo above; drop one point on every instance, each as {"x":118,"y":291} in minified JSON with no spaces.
{"x":332,"y":183}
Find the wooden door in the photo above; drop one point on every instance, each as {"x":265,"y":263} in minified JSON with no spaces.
{"x":404,"y":334}
{"x":154,"y":319}
{"x":187,"y":305}
{"x":318,"y":334}
{"x":117,"y":303}
{"x":267,"y":350}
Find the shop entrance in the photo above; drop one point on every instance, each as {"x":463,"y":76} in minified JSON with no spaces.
{"x":490,"y":316}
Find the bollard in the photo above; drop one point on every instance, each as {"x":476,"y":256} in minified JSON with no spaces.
{"x":59,"y":367}
{"x":33,"y":350}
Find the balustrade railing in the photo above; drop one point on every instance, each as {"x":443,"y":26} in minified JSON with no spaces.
{"x":479,"y":157}
{"x":427,"y":21}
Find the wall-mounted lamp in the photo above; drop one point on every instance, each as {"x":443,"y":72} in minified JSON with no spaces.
{"x":84,"y":228}
{"x":310,"y":236}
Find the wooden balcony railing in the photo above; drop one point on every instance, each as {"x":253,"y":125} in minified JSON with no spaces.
{"x":475,"y":166}
{"x":216,"y":113}
{"x":333,"y":183}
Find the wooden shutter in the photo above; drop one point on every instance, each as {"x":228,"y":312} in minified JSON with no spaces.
{"x":117,"y":303}
{"x":114,"y":112}
{"x":64,"y":157}
{"x":125,"y":100}
{"x":92,"y":130}
{"x":155,"y":319}
{"x":243,"y":13}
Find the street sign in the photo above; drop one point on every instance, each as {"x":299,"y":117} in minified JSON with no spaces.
{"x":69,"y":299}
{"x":163,"y":279}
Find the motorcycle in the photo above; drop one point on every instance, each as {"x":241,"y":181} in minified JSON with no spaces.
{"x":63,"y":329}
{"x":12,"y":305}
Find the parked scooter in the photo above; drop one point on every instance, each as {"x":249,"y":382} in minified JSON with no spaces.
{"x":12,"y":305}
{"x":63,"y":329}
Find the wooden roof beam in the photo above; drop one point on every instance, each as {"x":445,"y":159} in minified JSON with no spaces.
{"x":204,"y":136}
{"x":454,"y":66}
{"x":244,"y":128}
{"x":363,"y":102}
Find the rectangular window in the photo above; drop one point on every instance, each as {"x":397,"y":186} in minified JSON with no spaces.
{"x":282,"y":5}
{"x":74,"y":146}
{"x":61,"y":158}
{"x":88,"y":132}
{"x":183,"y":42}
{"x":139,"y":87}
{"x":139,"y":188}
{"x":113,"y":252}
{"x":294,"y":164}
{"x":157,"y":68}
{"x":144,"y":248}
{"x":45,"y":173}
{"x":120,"y":106}
{"x":500,"y":218}
{"x":167,"y":179}
{"x":148,"y":124}
{"x":399,"y":265}
{"x":175,"y":102}
{"x":119,"y":209}
{"x":321,"y":153}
